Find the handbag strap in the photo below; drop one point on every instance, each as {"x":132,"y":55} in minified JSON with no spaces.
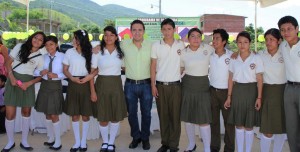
{"x":28,"y":60}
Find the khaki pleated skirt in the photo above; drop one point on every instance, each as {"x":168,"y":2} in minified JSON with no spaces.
{"x":50,"y":97}
{"x":272,"y":115}
{"x":110,"y":105}
{"x":78,"y":99}
{"x":15,"y":96}
{"x":243,"y":112}
{"x":195,"y":107}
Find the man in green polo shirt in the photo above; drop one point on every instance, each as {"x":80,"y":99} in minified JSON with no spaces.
{"x":137,"y":88}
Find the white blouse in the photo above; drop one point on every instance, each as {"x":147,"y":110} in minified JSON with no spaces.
{"x":108,"y":64}
{"x":196,"y":63}
{"x":245,"y":71}
{"x":274,"y":67}
{"x":76,"y":63}
{"x":30,"y":66}
{"x":57,"y":65}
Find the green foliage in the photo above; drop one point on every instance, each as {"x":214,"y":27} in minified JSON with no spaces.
{"x":108,"y":22}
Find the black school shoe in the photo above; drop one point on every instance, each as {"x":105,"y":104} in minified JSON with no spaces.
{"x":55,"y":148}
{"x":7,"y":150}
{"x":49,"y":143}
{"x":26,"y":148}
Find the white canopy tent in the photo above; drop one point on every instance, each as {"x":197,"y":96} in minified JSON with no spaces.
{"x":263,"y":3}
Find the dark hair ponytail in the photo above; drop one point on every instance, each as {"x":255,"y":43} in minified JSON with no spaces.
{"x":117,"y":42}
{"x":86,"y":48}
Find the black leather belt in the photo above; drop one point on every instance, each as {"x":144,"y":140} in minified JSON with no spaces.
{"x":217,"y":89}
{"x":293,"y":83}
{"x":168,"y":83}
{"x":144,"y":81}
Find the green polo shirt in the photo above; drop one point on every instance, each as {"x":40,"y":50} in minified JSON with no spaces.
{"x":137,"y":61}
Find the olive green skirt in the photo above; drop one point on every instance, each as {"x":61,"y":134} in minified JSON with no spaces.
{"x":195,"y":107}
{"x":273,"y":116}
{"x":15,"y":96}
{"x":110,"y":105}
{"x":50,"y":97}
{"x":78,"y":99}
{"x":243,"y":112}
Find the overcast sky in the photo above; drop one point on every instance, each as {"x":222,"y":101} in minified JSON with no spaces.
{"x":267,"y":17}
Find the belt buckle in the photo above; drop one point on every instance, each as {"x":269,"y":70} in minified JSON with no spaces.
{"x":165,"y":83}
{"x":137,"y":81}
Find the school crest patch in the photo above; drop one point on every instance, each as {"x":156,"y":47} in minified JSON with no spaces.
{"x":252,"y":66}
{"x":227,"y":61}
{"x":179,"y":52}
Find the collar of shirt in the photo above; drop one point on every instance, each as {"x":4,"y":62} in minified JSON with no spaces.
{"x":226,"y":52}
{"x":107,"y":52}
{"x":164,"y":43}
{"x":56,"y":53}
{"x":269,"y":55}
{"x":248,"y":58}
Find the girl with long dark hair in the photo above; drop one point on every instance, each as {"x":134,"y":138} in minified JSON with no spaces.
{"x":77,"y":67}
{"x":24,"y":60}
{"x":110,"y":105}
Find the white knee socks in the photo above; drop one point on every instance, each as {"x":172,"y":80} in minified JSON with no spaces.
{"x":104,"y":133}
{"x":10,"y":126}
{"x":240,"y":135}
{"x":85,"y":129}
{"x":25,"y":131}
{"x":76,"y":132}
{"x":50,"y":131}
{"x":114,"y":127}
{"x":206,"y":136}
{"x":190,"y":131}
{"x":249,"y":140}
{"x":56,"y":127}
{"x":265,"y":143}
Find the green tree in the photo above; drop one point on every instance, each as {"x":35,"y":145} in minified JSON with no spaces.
{"x":259,"y":30}
{"x":108,"y":22}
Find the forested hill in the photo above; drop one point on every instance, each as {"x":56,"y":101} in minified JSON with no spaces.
{"x":86,"y":10}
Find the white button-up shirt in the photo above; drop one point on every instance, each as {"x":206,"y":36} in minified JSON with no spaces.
{"x":196,"y":63}
{"x":245,"y":71}
{"x":76,"y":63}
{"x":274,"y":67}
{"x":57,"y":65}
{"x":219,"y":70}
{"x":29,"y":67}
{"x":291,"y":58}
{"x":108,"y":64}
{"x":168,"y":60}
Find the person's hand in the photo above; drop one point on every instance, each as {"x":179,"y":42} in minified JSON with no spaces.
{"x":154,"y":91}
{"x":234,"y":55}
{"x":258,"y":104}
{"x":75,"y":79}
{"x":227,"y":103}
{"x":25,"y":85}
{"x":93,"y":96}
{"x":13,"y":81}
{"x":86,"y":79}
{"x":44,"y":72}
{"x":51,"y":75}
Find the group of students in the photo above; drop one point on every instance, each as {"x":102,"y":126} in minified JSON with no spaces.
{"x":250,"y":89}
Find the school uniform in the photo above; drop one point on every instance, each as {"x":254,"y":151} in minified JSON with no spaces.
{"x":291,"y":56}
{"x":244,"y":92}
{"x":169,"y":90}
{"x":78,"y":100}
{"x":50,"y":96}
{"x":218,"y":77}
{"x":273,"y":117}
{"x":195,"y":107}
{"x":2,"y":113}
{"x":110,"y":105}
{"x":15,"y":96}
